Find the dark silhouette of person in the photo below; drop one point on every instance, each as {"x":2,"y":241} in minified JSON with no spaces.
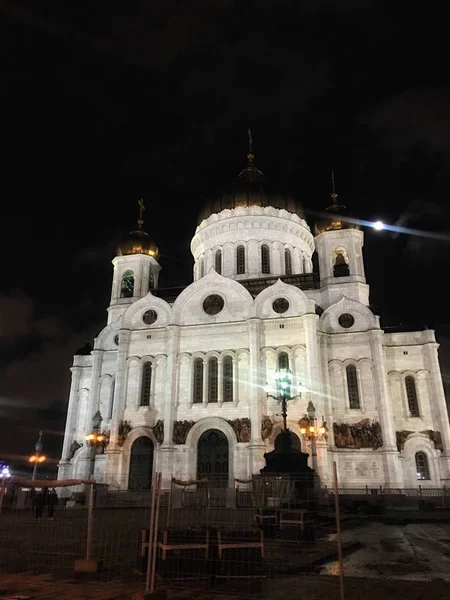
{"x":39,"y":503}
{"x":52,"y":501}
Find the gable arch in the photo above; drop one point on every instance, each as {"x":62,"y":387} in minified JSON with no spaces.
{"x":132,"y":318}
{"x":364,"y":318}
{"x":299,"y":303}
{"x":187,"y":308}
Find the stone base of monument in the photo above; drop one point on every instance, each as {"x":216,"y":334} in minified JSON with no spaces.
{"x":88,"y":565}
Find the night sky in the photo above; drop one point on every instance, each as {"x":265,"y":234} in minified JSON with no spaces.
{"x":107,"y":103}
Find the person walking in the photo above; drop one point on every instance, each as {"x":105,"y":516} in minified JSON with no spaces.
{"x":39,"y":503}
{"x":52,"y":501}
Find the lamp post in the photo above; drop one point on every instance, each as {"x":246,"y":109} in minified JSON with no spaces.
{"x":311,"y":432}
{"x":95,"y":440}
{"x":37,"y":457}
{"x":283,"y":383}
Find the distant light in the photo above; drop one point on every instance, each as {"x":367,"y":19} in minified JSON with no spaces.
{"x":378,"y":225}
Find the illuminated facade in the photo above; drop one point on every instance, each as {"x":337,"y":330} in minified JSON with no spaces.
{"x":179,"y":375}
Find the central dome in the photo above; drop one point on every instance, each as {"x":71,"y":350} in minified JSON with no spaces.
{"x":250,"y":188}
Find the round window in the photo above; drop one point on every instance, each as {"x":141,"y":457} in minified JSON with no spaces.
{"x":280,"y":305}
{"x":346,"y":320}
{"x":116,"y":339}
{"x":212,"y":305}
{"x":150,"y":317}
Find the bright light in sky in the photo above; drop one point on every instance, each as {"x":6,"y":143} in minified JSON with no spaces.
{"x":378,"y":225}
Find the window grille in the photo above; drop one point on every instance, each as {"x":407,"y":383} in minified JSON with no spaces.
{"x":198,"y":381}
{"x":240,"y":260}
{"x":146,"y":384}
{"x":218,"y":262}
{"x":422,"y":467}
{"x":287,"y":262}
{"x":265,"y":259}
{"x":352,"y":386}
{"x":228,"y":379}
{"x":283,"y":360}
{"x":213,"y":379}
{"x":411,"y":395}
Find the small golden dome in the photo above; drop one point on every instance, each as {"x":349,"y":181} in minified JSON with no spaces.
{"x":138,"y":241}
{"x":250,"y":188}
{"x":336,"y":220}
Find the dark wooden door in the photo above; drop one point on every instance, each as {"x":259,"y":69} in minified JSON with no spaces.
{"x":141,"y":465}
{"x":213,"y":458}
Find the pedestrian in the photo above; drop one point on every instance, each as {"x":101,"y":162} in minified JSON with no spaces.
{"x":39,"y":503}
{"x":52,"y":501}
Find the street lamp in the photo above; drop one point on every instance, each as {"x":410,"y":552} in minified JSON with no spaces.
{"x":37,"y":457}
{"x":283,"y":383}
{"x":96,"y":440}
{"x":311,"y":432}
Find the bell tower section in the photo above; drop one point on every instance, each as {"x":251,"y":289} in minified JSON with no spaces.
{"x":136,"y":269}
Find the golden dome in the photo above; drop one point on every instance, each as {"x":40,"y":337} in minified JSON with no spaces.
{"x":138,"y":241}
{"x":336,"y":220}
{"x":250,"y":188}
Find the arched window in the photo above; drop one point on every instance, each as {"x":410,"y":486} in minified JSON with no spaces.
{"x":213,"y":384}
{"x":352,"y":386}
{"x":197,"y":392}
{"x":127,"y":287}
{"x":287,"y":262}
{"x":218,"y":262}
{"x":265,"y":259}
{"x":202,"y":268}
{"x":422,"y":467}
{"x":240,"y":260}
{"x":411,"y":394}
{"x":146,"y":384}
{"x":227,"y":379}
{"x":340,"y":266}
{"x":151,"y":282}
{"x":304,"y":264}
{"x":283,"y":360}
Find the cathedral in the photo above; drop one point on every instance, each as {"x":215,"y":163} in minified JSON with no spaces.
{"x":185,"y":381}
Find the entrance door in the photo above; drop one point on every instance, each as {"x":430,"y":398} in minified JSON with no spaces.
{"x":141,"y":465}
{"x":213,"y":458}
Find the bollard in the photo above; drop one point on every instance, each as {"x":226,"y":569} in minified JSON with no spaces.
{"x":89,"y":564}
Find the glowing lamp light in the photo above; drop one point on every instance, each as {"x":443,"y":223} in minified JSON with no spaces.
{"x":41,"y":458}
{"x":378,"y":225}
{"x":321,"y":430}
{"x":303,"y":431}
{"x":89,"y":437}
{"x":312,"y":429}
{"x":100,"y":438}
{"x":33,"y":458}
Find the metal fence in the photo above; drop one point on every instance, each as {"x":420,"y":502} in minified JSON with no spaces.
{"x":243,"y":541}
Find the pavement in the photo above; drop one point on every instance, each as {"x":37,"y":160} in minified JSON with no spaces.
{"x":309,"y":587}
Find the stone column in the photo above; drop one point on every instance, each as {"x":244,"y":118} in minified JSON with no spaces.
{"x":120,"y":387}
{"x":393,"y":473}
{"x":314,"y":386}
{"x":439,"y":405}
{"x":255,"y":391}
{"x":72,"y":415}
{"x":94,"y":391}
{"x":166,"y":451}
{"x":253,"y":258}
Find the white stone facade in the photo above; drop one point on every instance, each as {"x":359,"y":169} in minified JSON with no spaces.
{"x":351,"y":373}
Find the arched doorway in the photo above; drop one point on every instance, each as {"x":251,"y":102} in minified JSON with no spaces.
{"x":213,"y":457}
{"x":141,"y":464}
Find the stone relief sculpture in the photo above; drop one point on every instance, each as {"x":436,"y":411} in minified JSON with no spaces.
{"x":124,"y":430}
{"x":181,"y":430}
{"x":73,"y":448}
{"x":242,"y":429}
{"x":401,"y":438}
{"x":158,"y":431}
{"x":358,"y":435}
{"x":435,"y":437}
{"x":266,"y":427}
